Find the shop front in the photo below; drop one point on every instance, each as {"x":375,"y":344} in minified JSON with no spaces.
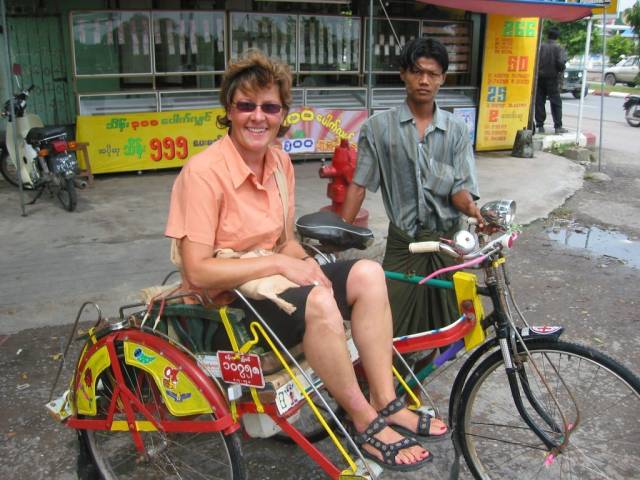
{"x":146,"y":81}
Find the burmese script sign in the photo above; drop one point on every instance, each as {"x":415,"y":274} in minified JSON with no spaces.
{"x":507,"y":80}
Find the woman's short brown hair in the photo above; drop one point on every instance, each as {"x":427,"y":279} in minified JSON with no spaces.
{"x":255,"y":71}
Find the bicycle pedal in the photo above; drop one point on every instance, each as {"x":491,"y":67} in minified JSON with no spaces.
{"x":59,"y":408}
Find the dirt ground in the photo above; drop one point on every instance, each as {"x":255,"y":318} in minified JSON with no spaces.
{"x":594,"y":296}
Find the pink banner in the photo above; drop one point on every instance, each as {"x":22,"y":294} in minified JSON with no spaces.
{"x":319,"y":130}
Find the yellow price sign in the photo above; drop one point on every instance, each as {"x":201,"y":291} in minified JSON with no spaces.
{"x":610,"y":7}
{"x":147,"y":141}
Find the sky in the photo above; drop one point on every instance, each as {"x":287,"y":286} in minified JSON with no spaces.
{"x":624,"y":4}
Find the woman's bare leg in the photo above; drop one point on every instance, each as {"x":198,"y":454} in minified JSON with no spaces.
{"x":372,"y":330}
{"x":325,"y":348}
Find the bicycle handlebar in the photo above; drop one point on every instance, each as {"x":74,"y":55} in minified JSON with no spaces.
{"x":504,"y":241}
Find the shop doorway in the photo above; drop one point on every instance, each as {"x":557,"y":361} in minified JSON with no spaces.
{"x":37,"y":45}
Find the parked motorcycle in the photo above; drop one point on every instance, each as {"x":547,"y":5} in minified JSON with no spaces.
{"x":632,"y":110}
{"x":45,"y":161}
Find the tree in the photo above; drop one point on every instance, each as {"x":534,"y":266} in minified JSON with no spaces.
{"x":618,"y":46}
{"x":632,"y":17}
{"x":573,"y":37}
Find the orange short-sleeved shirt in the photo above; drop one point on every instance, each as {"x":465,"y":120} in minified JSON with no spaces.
{"x":217,"y":200}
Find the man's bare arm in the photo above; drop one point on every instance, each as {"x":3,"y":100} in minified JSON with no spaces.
{"x":353,"y":202}
{"x":463,"y":201}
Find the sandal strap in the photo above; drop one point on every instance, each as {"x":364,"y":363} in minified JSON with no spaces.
{"x":424,"y":424}
{"x":389,"y":451}
{"x":392,"y":407}
{"x":377,"y":425}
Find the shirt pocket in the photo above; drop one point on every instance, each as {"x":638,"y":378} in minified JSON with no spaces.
{"x":438,"y":178}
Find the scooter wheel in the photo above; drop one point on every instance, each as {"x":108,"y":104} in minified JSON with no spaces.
{"x":67,"y":194}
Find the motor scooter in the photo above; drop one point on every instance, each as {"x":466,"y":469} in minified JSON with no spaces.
{"x":632,"y":110}
{"x":45,"y":160}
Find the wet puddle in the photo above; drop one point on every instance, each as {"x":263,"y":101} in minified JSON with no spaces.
{"x":599,"y":241}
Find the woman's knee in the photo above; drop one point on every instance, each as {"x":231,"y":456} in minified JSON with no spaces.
{"x":366,"y":273}
{"x":322,"y":309}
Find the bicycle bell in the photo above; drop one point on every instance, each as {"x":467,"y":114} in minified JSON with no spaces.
{"x":464,"y":242}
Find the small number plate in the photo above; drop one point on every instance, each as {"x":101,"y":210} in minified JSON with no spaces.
{"x":241,"y":368}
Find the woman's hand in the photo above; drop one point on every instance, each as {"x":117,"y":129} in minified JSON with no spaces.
{"x":302,"y":272}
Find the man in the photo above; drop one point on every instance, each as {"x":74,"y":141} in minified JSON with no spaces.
{"x":422,"y":158}
{"x":551,"y":65}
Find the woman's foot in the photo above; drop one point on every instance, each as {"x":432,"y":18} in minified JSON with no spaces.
{"x":413,"y":423}
{"x":391,"y":449}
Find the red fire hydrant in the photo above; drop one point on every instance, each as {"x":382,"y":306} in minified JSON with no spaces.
{"x":340,"y":171}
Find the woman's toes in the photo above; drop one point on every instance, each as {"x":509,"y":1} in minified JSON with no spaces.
{"x":437,"y":427}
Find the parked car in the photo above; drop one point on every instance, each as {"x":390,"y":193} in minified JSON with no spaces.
{"x":626,"y":71}
{"x":572,"y":80}
{"x":594,"y":63}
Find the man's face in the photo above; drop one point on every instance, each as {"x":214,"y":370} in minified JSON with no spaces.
{"x":423,"y":80}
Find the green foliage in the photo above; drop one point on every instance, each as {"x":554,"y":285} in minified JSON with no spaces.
{"x":573,"y":36}
{"x":632,"y":17}
{"x":617,"y":46}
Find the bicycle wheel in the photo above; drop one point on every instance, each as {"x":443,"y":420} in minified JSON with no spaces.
{"x":67,"y":194}
{"x":498,"y":444}
{"x":193,"y":455}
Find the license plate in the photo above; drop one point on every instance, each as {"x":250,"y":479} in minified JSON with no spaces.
{"x":241,"y":368}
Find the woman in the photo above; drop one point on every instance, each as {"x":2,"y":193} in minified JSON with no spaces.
{"x":228,"y":197}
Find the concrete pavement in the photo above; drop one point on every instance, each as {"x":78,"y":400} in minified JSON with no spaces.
{"x":113,"y":245}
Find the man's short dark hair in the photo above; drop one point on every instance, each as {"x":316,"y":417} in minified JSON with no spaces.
{"x":423,"y":47}
{"x":553,"y":33}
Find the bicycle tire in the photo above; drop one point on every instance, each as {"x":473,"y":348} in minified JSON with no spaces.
{"x":497,"y":444}
{"x":67,"y":194}
{"x":170,"y":455}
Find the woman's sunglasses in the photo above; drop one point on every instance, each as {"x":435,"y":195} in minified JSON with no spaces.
{"x":268,"y":108}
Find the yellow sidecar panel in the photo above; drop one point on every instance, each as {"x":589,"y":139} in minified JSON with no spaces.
{"x":181,"y":396}
{"x":85,"y":392}
{"x":465,"y":287}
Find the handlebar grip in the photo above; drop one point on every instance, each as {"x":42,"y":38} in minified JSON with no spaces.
{"x":424,"y":247}
{"x":31,"y":87}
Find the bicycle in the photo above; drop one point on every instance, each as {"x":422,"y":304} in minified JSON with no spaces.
{"x":146,"y":381}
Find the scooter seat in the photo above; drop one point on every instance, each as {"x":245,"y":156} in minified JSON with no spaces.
{"x":39,"y":134}
{"x":329,"y":229}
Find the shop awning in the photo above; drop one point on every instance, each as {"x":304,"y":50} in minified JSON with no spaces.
{"x":552,"y":10}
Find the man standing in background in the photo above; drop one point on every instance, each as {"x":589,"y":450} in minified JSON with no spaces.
{"x":551,"y":65}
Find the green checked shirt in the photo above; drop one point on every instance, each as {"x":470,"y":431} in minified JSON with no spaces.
{"x":418,"y":176}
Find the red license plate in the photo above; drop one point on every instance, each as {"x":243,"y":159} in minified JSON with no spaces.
{"x":241,"y":368}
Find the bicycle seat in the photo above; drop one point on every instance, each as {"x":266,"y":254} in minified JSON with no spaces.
{"x":39,"y":134}
{"x":331,"y":230}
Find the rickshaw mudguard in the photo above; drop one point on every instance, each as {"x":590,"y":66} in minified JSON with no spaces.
{"x":469,"y":303}
{"x":186,"y":390}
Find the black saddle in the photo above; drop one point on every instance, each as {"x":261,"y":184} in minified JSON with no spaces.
{"x":329,"y":229}
{"x":40,"y":134}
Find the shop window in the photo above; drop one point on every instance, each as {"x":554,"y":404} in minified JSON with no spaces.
{"x":388,"y":42}
{"x":111,"y":43}
{"x":456,"y":37}
{"x":274,"y":34}
{"x":329,"y":44}
{"x":188,"y":41}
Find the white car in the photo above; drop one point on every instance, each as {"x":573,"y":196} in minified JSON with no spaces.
{"x":626,"y":71}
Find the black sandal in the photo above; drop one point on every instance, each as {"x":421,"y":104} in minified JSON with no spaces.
{"x":424,"y":422}
{"x":389,"y":451}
